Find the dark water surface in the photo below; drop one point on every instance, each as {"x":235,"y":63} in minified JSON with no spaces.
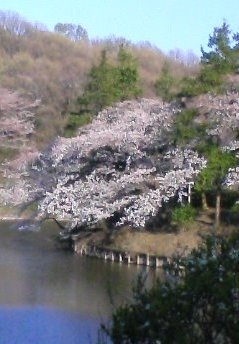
{"x":49,"y":295}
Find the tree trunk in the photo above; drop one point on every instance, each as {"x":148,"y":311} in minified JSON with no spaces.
{"x":218,"y":210}
{"x":204,"y":201}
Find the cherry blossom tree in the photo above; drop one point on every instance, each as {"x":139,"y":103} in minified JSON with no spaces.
{"x":120,"y":167}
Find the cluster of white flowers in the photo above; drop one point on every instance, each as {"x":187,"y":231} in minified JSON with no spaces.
{"x":17,"y":192}
{"x":232,"y":146}
{"x":109,"y":169}
{"x":129,"y":127}
{"x":148,"y":203}
{"x":17,"y":117}
{"x":95,"y":197}
{"x":222,"y":115}
{"x":232,"y":178}
{"x":121,"y":165}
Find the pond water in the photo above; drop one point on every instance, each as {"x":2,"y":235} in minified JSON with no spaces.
{"x":50,"y":295}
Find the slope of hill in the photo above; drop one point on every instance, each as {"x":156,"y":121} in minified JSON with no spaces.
{"x":48,"y":66}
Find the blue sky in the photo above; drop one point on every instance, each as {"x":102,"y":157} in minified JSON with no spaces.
{"x":168,"y":24}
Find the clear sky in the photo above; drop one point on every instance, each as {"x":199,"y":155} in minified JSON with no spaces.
{"x":168,"y":24}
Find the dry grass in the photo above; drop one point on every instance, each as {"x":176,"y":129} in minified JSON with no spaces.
{"x":165,"y":244}
{"x":161,"y":244}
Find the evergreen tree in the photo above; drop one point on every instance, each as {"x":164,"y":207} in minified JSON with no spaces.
{"x":220,"y":60}
{"x":108,"y":84}
{"x":127,"y":76}
{"x":101,"y":90}
{"x":164,"y":84}
{"x":221,"y":57}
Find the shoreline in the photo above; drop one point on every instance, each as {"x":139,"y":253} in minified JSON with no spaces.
{"x":134,"y":247}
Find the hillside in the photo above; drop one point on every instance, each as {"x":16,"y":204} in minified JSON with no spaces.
{"x":52,"y":68}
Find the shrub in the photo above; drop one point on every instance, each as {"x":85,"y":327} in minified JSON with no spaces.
{"x":186,"y":129}
{"x":184,"y":215}
{"x":165,"y":83}
{"x":74,"y":122}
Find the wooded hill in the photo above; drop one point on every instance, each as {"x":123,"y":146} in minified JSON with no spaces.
{"x":53,"y":67}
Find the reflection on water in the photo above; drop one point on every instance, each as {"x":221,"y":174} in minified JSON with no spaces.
{"x":51,"y":291}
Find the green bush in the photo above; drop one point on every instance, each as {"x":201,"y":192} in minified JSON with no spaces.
{"x":108,"y":84}
{"x":164,"y":84}
{"x":207,"y":80}
{"x":186,"y":129}
{"x":235,"y":208}
{"x":74,"y":122}
{"x":184,"y":215}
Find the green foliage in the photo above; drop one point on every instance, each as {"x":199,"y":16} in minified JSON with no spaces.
{"x":207,"y":80}
{"x":127,"y":76}
{"x":235,"y":208}
{"x":165,"y":83}
{"x":189,"y":87}
{"x":186,"y":128}
{"x":200,"y":306}
{"x":218,"y":163}
{"x":108,"y":84}
{"x":222,"y":59}
{"x":74,"y":122}
{"x":100,"y":91}
{"x":184,"y":215}
{"x":222,"y":56}
{"x":211,"y":178}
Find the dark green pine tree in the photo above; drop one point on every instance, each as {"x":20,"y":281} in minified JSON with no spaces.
{"x":127,"y":76}
{"x":108,"y":84}
{"x":101,"y":90}
{"x":165,"y":83}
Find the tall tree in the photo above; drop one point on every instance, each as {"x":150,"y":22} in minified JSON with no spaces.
{"x":165,"y":83}
{"x":108,"y":84}
{"x":221,"y":56}
{"x":221,"y":59}
{"x":101,"y":89}
{"x":127,"y":75}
